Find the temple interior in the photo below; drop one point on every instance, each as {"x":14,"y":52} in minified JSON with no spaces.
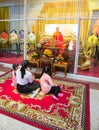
{"x":61,"y":34}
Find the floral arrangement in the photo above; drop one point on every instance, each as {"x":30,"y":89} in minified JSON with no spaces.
{"x":31,"y":38}
{"x":59,"y":58}
{"x":32,"y":56}
{"x":39,"y":45}
{"x":3,"y":37}
{"x":35,"y":55}
{"x":47,"y":52}
{"x":21,"y":36}
{"x":13,"y":38}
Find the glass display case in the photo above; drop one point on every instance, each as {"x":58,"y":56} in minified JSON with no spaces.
{"x":64,"y":27}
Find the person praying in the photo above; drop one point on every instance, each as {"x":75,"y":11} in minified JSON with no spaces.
{"x":48,"y":86}
{"x":25,"y":81}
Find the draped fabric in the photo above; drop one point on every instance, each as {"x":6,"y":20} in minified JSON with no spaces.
{"x":66,"y":12}
{"x":4,"y":14}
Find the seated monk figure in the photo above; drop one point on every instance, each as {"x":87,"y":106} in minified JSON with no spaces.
{"x":57,"y":36}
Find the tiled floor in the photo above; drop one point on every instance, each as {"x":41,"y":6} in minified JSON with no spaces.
{"x":94,"y":108}
{"x":7,"y":123}
{"x":4,"y":69}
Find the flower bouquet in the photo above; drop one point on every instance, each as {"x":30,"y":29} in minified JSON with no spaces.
{"x":47,"y":52}
{"x":13,"y":38}
{"x":31,"y":38}
{"x":35,"y":55}
{"x":59,"y":58}
{"x":3,"y":37}
{"x":21,"y":36}
{"x":32,"y":56}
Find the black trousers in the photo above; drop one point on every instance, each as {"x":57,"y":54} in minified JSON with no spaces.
{"x":28,"y":88}
{"x":55,"y":90}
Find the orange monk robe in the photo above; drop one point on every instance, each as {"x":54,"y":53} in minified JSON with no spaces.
{"x":57,"y":36}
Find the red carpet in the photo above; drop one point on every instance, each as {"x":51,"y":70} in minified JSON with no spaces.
{"x":93,"y":71}
{"x":12,"y":59}
{"x":71,"y":112}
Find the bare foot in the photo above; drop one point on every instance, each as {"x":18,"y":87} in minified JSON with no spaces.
{"x":55,"y":98}
{"x":34,"y":93}
{"x":60,"y":94}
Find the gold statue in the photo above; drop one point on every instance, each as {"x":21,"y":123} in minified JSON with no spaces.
{"x":89,"y":48}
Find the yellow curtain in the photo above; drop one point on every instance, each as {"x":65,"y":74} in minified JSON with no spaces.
{"x":66,"y":9}
{"x":4,"y":14}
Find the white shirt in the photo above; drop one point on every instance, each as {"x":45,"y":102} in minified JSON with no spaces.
{"x":28,"y":78}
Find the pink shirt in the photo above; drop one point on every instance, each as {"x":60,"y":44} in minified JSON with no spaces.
{"x":46,"y":83}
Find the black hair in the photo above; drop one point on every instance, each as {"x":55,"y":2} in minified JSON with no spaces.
{"x":47,"y":69}
{"x":13,"y":31}
{"x":25,"y":64}
{"x":14,"y":66}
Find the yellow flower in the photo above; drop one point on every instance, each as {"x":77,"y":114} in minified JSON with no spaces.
{"x":59,"y":58}
{"x":47,"y":52}
{"x":34,"y":54}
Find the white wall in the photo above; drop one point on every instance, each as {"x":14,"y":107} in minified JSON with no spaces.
{"x":17,"y":12}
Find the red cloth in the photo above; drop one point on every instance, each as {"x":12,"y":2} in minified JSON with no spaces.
{"x":58,"y":36}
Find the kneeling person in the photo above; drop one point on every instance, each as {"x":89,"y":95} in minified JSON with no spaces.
{"x":24,"y":79}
